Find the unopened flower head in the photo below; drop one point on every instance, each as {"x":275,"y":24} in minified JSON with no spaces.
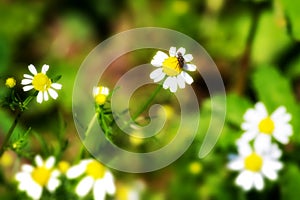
{"x":41,"y":83}
{"x":174,"y":67}
{"x":261,"y":126}
{"x":254,"y":165}
{"x":10,"y":82}
{"x":95,"y":176}
{"x":100,"y":94}
{"x":33,"y":179}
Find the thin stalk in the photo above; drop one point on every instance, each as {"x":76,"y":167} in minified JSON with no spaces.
{"x":10,"y":132}
{"x":146,"y":105}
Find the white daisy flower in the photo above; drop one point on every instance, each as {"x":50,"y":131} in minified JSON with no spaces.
{"x":33,"y":179}
{"x":255,"y":165}
{"x":100,"y":94}
{"x":96,"y":177}
{"x":174,"y":67}
{"x":40,"y":82}
{"x":261,"y":126}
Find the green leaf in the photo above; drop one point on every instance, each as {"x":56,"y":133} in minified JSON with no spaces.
{"x":290,"y":182}
{"x":275,"y":90}
{"x":236,"y":108}
{"x":291,"y":9}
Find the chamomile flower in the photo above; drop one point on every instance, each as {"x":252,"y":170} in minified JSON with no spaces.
{"x":100,"y":94}
{"x":95,"y":176}
{"x":41,"y":83}
{"x":256,"y":164}
{"x":10,"y":82}
{"x":261,"y":126}
{"x":174,"y":66}
{"x":33,"y":179}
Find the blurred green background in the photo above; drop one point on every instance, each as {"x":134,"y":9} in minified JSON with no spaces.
{"x":254,"y":44}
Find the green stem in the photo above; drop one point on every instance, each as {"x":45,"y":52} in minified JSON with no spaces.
{"x":10,"y":132}
{"x":89,"y":128}
{"x":13,"y":126}
{"x":146,"y":105}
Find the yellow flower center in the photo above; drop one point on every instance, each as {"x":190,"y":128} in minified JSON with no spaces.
{"x":100,"y":99}
{"x":95,"y":170}
{"x":266,"y":126}
{"x":41,"y":82}
{"x":63,"y":166}
{"x":10,"y":82}
{"x":253,"y":162}
{"x":41,"y":175}
{"x":171,"y":66}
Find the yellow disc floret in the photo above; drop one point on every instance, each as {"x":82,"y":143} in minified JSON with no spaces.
{"x":100,"y":99}
{"x":63,"y":166}
{"x":10,"y":82}
{"x":41,"y":175}
{"x":253,"y":162}
{"x":41,"y":82}
{"x":171,"y":66}
{"x":266,"y":126}
{"x":95,"y":170}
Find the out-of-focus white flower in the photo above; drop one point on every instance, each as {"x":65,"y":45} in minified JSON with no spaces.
{"x":32,"y":179}
{"x":96,"y":177}
{"x":174,"y":67}
{"x":40,"y":82}
{"x":254,"y":165}
{"x":261,"y":126}
{"x":100,"y":94}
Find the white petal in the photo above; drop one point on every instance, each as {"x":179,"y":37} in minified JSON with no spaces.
{"x":258,"y":181}
{"x":53,"y":183}
{"x":180,"y":81}
{"x":248,"y":135}
{"x":262,"y":143}
{"x":188,"y":79}
{"x":236,"y":164}
{"x":269,"y":173}
{"x":39,"y":97}
{"x":76,"y":170}
{"x":284,"y":139}
{"x":159,"y":58}
{"x":261,"y":109}
{"x":45,"y":69}
{"x":280,"y":115}
{"x":27,"y":88}
{"x":53,"y":93}
{"x":109,"y":181}
{"x":32,"y":69}
{"x":22,"y":176}
{"x":35,"y":191}
{"x":99,"y":190}
{"x":245,"y":180}
{"x":190,"y":67}
{"x":50,"y":162}
{"x":159,"y":78}
{"x":46,"y":97}
{"x":95,"y":91}
{"x":84,"y":186}
{"x":28,"y":76}
{"x":167,"y":83}
{"x":56,"y":86}
{"x":38,"y":161}
{"x":173,"y":84}
{"x":27,"y":168}
{"x":172,"y":51}
{"x":181,"y":50}
{"x":156,"y":73}
{"x":188,"y":57}
{"x":26,"y":81}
